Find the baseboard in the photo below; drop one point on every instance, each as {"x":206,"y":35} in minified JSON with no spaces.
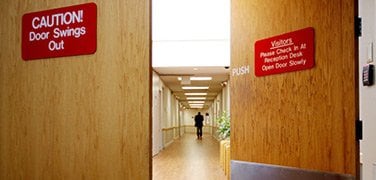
{"x":169,"y":143}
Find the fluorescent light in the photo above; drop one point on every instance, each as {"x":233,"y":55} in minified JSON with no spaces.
{"x":196,"y":102}
{"x":201,"y":78}
{"x":197,"y":78}
{"x":196,"y":94}
{"x":184,"y":44}
{"x":198,"y":107}
{"x":196,"y":98}
{"x":195,"y":87}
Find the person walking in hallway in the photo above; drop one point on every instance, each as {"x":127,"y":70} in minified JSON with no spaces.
{"x":199,"y":123}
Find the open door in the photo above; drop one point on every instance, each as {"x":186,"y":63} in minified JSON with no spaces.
{"x":305,"y":118}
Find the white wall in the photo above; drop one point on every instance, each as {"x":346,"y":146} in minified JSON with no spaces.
{"x":166,"y":117}
{"x":165,"y":127}
{"x":189,"y":121}
{"x":367,"y":10}
{"x":175,"y":115}
{"x":221,"y":103}
{"x":181,"y":119}
{"x":226,"y":98}
{"x":157,"y":114}
{"x":189,"y":115}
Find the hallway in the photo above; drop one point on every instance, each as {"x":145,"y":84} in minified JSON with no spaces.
{"x":189,"y":158}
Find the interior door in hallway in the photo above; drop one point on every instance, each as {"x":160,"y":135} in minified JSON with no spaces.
{"x":157,"y":129}
{"x":306,"y":118}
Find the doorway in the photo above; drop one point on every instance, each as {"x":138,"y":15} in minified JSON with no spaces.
{"x":190,"y":60}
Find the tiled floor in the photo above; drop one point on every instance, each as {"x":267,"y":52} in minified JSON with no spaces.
{"x":188,"y":158}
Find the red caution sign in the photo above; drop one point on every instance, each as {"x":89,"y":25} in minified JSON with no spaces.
{"x":60,"y":32}
{"x":288,"y":52}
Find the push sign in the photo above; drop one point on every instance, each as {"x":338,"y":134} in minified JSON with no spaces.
{"x":60,"y":32}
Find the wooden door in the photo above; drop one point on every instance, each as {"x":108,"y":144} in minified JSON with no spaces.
{"x":304,"y":119}
{"x":77,"y":117}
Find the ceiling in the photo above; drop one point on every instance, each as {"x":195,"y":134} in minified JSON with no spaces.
{"x":169,"y":76}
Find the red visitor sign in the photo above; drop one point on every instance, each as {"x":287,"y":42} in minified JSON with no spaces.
{"x":60,"y":32}
{"x":288,"y":52}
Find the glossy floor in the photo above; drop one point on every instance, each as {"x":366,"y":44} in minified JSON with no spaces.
{"x":189,"y":158}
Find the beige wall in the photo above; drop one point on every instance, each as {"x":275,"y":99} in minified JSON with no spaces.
{"x":81,"y":117}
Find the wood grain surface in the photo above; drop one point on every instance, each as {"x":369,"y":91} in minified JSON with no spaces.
{"x":81,"y":117}
{"x":303,"y":119}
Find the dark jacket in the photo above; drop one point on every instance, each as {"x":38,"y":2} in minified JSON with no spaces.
{"x":198,"y":120}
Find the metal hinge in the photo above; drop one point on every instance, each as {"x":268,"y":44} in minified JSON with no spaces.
{"x":358,"y":26}
{"x":359,"y":129}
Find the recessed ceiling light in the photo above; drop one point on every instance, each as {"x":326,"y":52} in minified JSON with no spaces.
{"x":196,"y":102}
{"x":200,"y":104}
{"x":196,"y":94}
{"x":195,"y":87}
{"x":196,"y":98}
{"x":197,"y":78}
{"x":196,"y":105}
{"x":201,"y":78}
{"x":195,"y":69}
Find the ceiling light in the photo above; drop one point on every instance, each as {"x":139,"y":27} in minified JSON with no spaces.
{"x":196,"y":94}
{"x":197,"y":78}
{"x":184,"y":78}
{"x":195,"y":87}
{"x":198,"y":107}
{"x":196,"y":98}
{"x":195,"y":69}
{"x":201,"y":78}
{"x":193,"y":104}
{"x":196,"y":102}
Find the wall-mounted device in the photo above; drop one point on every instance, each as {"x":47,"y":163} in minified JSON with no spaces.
{"x":368,"y":75}
{"x":370,"y":53}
